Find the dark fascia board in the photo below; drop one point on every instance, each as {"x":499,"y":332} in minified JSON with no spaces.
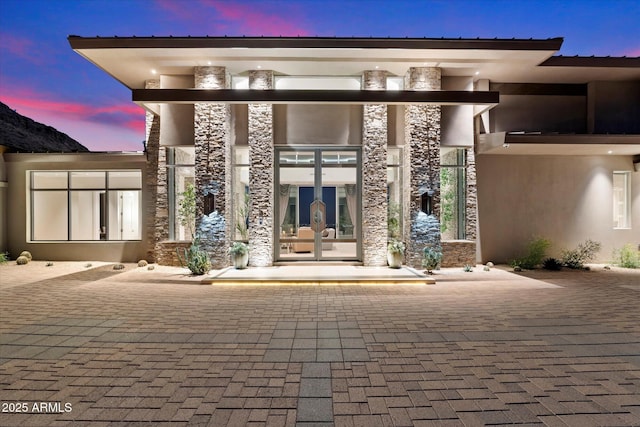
{"x":78,"y":42}
{"x":592,"y":61}
{"x":562,"y":89}
{"x":247,"y":96}
{"x":586,"y":138}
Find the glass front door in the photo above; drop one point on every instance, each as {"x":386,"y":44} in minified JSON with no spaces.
{"x":318,"y":204}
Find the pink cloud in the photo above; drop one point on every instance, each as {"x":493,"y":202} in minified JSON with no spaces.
{"x":633,"y":52}
{"x":215,"y":17}
{"x":77,"y":119}
{"x":19,"y":46}
{"x":253,"y":21}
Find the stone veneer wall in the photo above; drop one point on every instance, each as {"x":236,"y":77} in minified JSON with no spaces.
{"x":212,"y":132}
{"x":167,"y":252}
{"x":374,"y":179}
{"x":157,"y":207}
{"x":261,"y":213}
{"x":471,"y":226}
{"x":422,"y":164}
{"x":458,"y":253}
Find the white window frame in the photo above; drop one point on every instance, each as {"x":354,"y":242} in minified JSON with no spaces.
{"x":621,"y":201}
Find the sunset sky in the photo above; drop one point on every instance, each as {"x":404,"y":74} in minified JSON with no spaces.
{"x":42,"y":78}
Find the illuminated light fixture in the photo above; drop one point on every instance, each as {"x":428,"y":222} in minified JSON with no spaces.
{"x":505,"y":145}
{"x":259,"y":66}
{"x":208,"y":62}
{"x":610,"y":152}
{"x":153,"y":71}
{"x":377,"y":67}
{"x":477,"y":72}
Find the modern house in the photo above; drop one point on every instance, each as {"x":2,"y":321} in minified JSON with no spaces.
{"x":323,"y":149}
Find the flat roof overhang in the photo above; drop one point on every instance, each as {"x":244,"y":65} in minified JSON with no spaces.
{"x":502,"y":143}
{"x":280,"y":96}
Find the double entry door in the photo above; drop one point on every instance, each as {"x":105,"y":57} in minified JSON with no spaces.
{"x":318,"y":204}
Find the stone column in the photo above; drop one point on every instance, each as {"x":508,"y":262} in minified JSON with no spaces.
{"x":374,"y":179}
{"x":213,"y":165}
{"x":471,"y":230}
{"x":422,"y":165}
{"x":261,"y":213}
{"x":157,"y":210}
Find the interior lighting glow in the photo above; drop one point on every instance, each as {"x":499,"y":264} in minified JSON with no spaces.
{"x":609,"y":152}
{"x":153,"y":71}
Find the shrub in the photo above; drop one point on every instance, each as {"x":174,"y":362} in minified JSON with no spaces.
{"x":585,"y":252}
{"x":467,"y":268}
{"x":4,"y":257}
{"x":238,"y":248}
{"x":431,"y":258}
{"x":552,"y":264}
{"x":396,"y":246}
{"x":195,"y":259}
{"x":26,"y":254}
{"x":536,"y":250}
{"x":22,"y":260}
{"x":627,"y":257}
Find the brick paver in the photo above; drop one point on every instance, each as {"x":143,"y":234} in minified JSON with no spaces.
{"x":481,"y":348}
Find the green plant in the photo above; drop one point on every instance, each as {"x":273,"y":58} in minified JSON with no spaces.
{"x":552,"y":264}
{"x":238,"y":248}
{"x":431,"y":258}
{"x":467,"y":268}
{"x":22,"y":260}
{"x":4,"y":257}
{"x":393,"y":220}
{"x":242,"y":218}
{"x":195,"y":259}
{"x":26,"y":254}
{"x":396,"y":247}
{"x":187,"y":209}
{"x":627,"y":257}
{"x":583,"y":253}
{"x":536,"y":250}
{"x":447,"y":199}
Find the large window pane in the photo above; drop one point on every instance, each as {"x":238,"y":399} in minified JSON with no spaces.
{"x":124,"y":215}
{"x":49,"y":215}
{"x":49,"y":179}
{"x":87,"y":215}
{"x":621,"y":197}
{"x":125,"y":179}
{"x":88,"y":180}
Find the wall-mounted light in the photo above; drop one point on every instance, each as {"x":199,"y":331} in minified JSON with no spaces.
{"x":477,"y":72}
{"x":610,"y":152}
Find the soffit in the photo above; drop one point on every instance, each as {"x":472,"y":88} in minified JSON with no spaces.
{"x":571,"y":145}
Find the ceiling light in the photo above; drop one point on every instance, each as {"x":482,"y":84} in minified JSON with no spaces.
{"x":377,"y":67}
{"x":208,"y":62}
{"x":259,"y":66}
{"x":477,"y":72}
{"x":610,"y":152}
{"x":153,"y":71}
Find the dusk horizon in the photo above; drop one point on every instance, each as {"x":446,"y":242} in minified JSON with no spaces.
{"x":42,"y":78}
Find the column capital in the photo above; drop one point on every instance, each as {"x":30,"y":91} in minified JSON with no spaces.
{"x":374,"y":80}
{"x":423,"y":78}
{"x":261,"y":79}
{"x":211,"y":77}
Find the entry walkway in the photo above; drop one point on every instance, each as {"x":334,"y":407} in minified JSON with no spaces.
{"x":319,"y":273}
{"x":157,"y":347}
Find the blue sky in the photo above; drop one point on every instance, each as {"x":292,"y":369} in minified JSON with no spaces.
{"x":41,"y":77}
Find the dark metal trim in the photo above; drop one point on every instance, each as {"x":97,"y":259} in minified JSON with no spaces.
{"x":78,"y":42}
{"x":246,"y":96}
{"x":592,"y":61}
{"x":539,"y":89}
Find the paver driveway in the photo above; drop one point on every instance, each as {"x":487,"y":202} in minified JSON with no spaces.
{"x":100,"y":347}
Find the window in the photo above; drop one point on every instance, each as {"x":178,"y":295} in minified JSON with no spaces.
{"x":452,"y":193}
{"x":240,"y":194}
{"x":394,"y":193}
{"x":86,"y":205}
{"x":181,"y":178}
{"x":621,"y":200}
